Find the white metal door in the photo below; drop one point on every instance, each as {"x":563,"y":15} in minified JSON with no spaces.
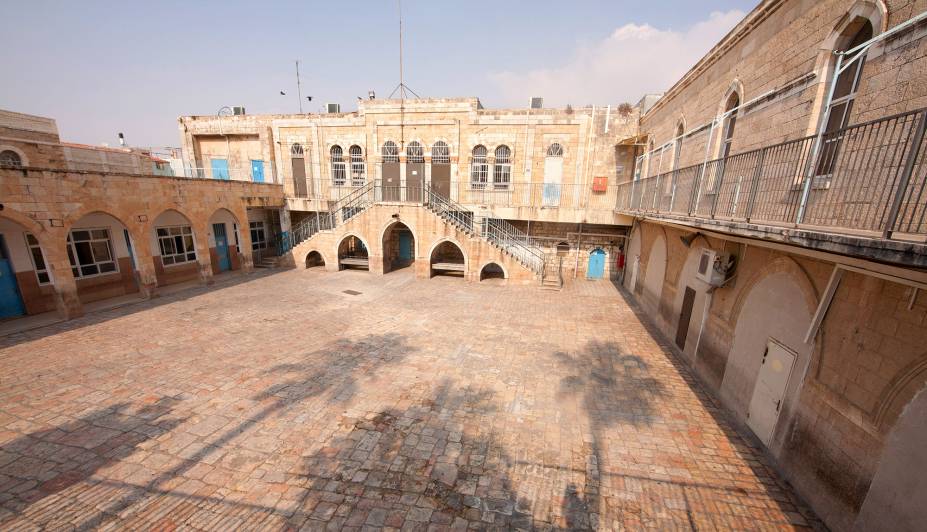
{"x":769,"y":391}
{"x":553,"y":176}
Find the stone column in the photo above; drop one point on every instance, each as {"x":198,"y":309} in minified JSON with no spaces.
{"x":201,"y":244}
{"x":144,"y":261}
{"x":67,"y":302}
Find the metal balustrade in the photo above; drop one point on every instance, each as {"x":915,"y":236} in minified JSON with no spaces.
{"x":868,"y":178}
{"x":546,"y":195}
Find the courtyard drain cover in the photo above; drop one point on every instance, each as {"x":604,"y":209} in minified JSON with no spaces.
{"x":352,"y":292}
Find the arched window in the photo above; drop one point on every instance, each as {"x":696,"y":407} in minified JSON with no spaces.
{"x":10,"y":159}
{"x":841,"y":105}
{"x":563,"y":248}
{"x":479,"y":168}
{"x":440,"y":154}
{"x":555,"y":150}
{"x":502,"y":167}
{"x":338,"y":169}
{"x":357,"y":165}
{"x":677,"y":151}
{"x":415,"y":153}
{"x":296,"y":150}
{"x":731,"y":108}
{"x":390,"y":152}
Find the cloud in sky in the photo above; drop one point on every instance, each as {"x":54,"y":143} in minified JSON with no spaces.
{"x":635,"y":59}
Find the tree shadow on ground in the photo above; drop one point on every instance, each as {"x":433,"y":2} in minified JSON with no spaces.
{"x":699,"y":496}
{"x":612,"y":387}
{"x":431,"y":464}
{"x":329,"y":374}
{"x":44,"y":463}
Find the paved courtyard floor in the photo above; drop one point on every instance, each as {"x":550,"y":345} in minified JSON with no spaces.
{"x":283,"y":401}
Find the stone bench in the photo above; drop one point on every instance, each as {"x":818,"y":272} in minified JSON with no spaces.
{"x":448,"y":266}
{"x":355,"y":261}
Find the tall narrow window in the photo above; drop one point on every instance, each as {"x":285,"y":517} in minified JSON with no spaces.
{"x":338,"y":170}
{"x":838,"y":112}
{"x":677,"y":150}
{"x":357,"y":165}
{"x":731,"y":108}
{"x":258,"y":236}
{"x":38,"y":259}
{"x":479,"y":167}
{"x":390,"y":152}
{"x":502,"y":167}
{"x":440,"y":153}
{"x":415,"y":153}
{"x":298,"y":166}
{"x":90,"y":252}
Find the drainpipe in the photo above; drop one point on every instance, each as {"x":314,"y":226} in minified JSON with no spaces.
{"x":579,"y":248}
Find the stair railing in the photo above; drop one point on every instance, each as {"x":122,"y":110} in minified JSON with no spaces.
{"x":447,"y":208}
{"x":513,"y":241}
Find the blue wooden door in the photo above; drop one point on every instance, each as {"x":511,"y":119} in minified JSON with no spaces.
{"x":405,"y":246}
{"x":10,"y":302}
{"x":222,"y":247}
{"x":596,"y":269}
{"x":257,"y":171}
{"x":220,"y":169}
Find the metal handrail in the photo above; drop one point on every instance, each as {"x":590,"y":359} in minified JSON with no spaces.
{"x":869,"y":177}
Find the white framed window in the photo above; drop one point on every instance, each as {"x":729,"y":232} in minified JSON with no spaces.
{"x":38,"y":259}
{"x":90,"y":252}
{"x":440,"y":154}
{"x":258,"y":235}
{"x":176,"y":244}
{"x":357,"y":165}
{"x":479,"y":167}
{"x":502,"y":167}
{"x":339,"y":177}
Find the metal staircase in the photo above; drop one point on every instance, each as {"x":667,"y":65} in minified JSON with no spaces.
{"x":496,"y":231}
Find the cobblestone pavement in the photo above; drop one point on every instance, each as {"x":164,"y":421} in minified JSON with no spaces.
{"x":281,"y":401}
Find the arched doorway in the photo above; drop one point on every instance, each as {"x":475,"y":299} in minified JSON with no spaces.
{"x":26,"y":284}
{"x":415,"y":171}
{"x":448,"y":259}
{"x":315,"y":260}
{"x":224,"y":245}
{"x":441,"y":169}
{"x":596,"y":268}
{"x":553,"y":175}
{"x":353,"y":254}
{"x":173,"y":248}
{"x":492,"y":271}
{"x":102,"y":257}
{"x":398,"y":247}
{"x":389,"y":159}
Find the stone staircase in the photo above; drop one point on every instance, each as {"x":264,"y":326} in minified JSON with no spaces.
{"x":495,"y":231}
{"x":552,"y":278}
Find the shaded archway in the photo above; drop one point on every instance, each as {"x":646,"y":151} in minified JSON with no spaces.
{"x":447,"y":258}
{"x":398,"y":247}
{"x":654,"y":273}
{"x":492,"y":271}
{"x":353,"y":254}
{"x":173,"y":248}
{"x":26,"y":281}
{"x":102,"y":257}
{"x":224,"y":241}
{"x":315,"y":260}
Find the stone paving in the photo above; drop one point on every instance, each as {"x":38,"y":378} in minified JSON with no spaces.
{"x":282,"y":402}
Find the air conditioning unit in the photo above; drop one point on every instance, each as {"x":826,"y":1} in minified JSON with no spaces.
{"x":333,"y":108}
{"x":714,"y":268}
{"x":238,"y":110}
{"x":536,"y":102}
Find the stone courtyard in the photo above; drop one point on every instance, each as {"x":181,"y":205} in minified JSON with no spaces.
{"x":306,"y":399}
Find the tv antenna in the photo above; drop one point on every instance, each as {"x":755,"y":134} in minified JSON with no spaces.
{"x":402,"y":89}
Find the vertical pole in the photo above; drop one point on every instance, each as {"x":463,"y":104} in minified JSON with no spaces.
{"x":816,"y":146}
{"x":697,"y":189}
{"x":299,"y":89}
{"x":905,"y":176}
{"x":751,"y":200}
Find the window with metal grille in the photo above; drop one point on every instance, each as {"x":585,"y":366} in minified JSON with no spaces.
{"x":479,"y":167}
{"x":732,"y":107}
{"x":357,"y":165}
{"x":440,"y":154}
{"x":38,"y":259}
{"x":91,"y":252}
{"x":555,"y":150}
{"x":502,"y":167}
{"x":338,"y":167}
{"x":390,"y":152}
{"x":415,"y":153}
{"x":10,"y":159}
{"x":296,"y":150}
{"x":176,"y":244}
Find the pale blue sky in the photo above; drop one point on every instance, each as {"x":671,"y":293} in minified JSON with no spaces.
{"x":104,"y":67}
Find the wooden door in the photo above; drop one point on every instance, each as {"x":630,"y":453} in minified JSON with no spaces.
{"x":391,"y":184}
{"x":441,"y":180}
{"x":685,"y":316}
{"x":299,"y":176}
{"x":415,"y":177}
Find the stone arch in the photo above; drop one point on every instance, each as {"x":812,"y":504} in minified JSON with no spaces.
{"x":686,"y":278}
{"x":736,"y":87}
{"x":776,"y":305}
{"x":224,"y":216}
{"x":874,"y":11}
{"x":391,"y":246}
{"x":47,"y":273}
{"x":448,"y":244}
{"x":23,"y":159}
{"x":632,"y":259}
{"x":314,"y":258}
{"x":351,"y":256}
{"x":105,"y":255}
{"x":491,"y":273}
{"x":900,"y":391}
{"x":654,"y":274}
{"x":31,"y":224}
{"x":178,"y":265}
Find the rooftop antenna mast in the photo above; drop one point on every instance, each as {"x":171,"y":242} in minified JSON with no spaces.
{"x":402,"y":89}
{"x":299,"y":89}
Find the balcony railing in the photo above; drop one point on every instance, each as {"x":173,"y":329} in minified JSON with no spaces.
{"x":868,"y":178}
{"x":545,"y":195}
